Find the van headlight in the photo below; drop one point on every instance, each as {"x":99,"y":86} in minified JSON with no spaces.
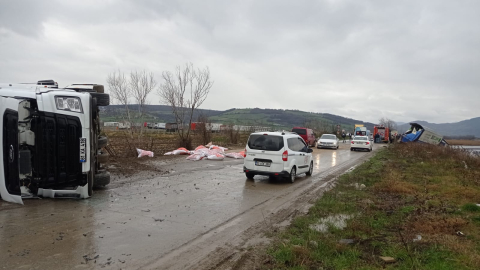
{"x":73,"y":104}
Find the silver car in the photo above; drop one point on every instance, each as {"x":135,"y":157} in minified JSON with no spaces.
{"x":328,"y":141}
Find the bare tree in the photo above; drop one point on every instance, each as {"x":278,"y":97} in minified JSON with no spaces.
{"x":119,"y":89}
{"x":185,"y":90}
{"x":142,"y":84}
{"x":386,"y":122}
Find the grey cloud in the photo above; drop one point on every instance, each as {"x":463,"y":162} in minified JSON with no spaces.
{"x":324,"y":56}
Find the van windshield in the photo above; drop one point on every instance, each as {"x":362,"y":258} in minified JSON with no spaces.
{"x":300,"y":131}
{"x":265,"y":142}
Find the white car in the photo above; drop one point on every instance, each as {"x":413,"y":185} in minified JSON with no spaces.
{"x":51,"y":141}
{"x":282,"y":154}
{"x":361,"y":142}
{"x":328,"y":141}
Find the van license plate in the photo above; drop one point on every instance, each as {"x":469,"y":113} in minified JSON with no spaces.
{"x":260,"y":163}
{"x":83,"y":150}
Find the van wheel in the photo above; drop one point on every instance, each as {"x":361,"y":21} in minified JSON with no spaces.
{"x":293,"y":174}
{"x":310,"y":170}
{"x":249,"y":175}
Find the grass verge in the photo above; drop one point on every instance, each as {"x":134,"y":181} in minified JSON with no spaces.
{"x":418,"y":206}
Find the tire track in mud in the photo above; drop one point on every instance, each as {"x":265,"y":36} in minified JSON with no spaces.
{"x":225,"y":246}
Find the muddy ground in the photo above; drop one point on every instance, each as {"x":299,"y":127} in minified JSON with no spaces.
{"x":164,"y":213}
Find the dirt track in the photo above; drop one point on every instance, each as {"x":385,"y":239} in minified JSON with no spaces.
{"x":163,"y":213}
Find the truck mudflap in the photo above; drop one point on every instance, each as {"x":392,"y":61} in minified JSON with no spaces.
{"x":79,"y":193}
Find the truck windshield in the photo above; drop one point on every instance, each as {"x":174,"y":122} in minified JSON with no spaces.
{"x":300,"y":131}
{"x":265,"y":142}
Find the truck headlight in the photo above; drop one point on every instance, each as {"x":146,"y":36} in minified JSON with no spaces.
{"x":72,"y":104}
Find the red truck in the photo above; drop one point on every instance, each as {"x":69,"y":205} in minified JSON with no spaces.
{"x":383,"y":132}
{"x":306,"y":133}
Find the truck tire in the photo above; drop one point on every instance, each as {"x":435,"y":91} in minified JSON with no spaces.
{"x":99,"y":88}
{"x":250,"y":175}
{"x":102,"y":178}
{"x":102,"y":142}
{"x":102,"y":98}
{"x":102,"y":158}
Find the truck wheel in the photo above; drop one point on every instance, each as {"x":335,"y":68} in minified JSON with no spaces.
{"x":102,"y":98}
{"x":102,"y":178}
{"x":249,"y":175}
{"x":102,"y":158}
{"x":102,"y":142}
{"x":99,"y":88}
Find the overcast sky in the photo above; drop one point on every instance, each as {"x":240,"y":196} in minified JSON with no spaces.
{"x":406,"y":60}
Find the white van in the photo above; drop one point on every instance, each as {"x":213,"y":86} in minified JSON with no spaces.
{"x":282,"y":154}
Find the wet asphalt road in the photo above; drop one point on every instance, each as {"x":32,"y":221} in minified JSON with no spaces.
{"x":150,"y":223}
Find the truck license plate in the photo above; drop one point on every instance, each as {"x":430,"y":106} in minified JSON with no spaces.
{"x":83,"y":150}
{"x":259,"y":163}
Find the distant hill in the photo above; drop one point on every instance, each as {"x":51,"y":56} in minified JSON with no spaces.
{"x":277,"y":118}
{"x":462,"y":128}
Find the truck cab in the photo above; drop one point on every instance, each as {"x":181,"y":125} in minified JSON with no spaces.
{"x":51,"y":143}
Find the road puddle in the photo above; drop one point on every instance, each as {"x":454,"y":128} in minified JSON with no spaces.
{"x":338,"y":221}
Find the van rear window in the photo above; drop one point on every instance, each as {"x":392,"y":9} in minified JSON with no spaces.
{"x":265,"y":142}
{"x":300,"y":131}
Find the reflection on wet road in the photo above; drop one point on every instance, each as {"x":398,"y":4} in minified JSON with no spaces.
{"x":134,"y":224}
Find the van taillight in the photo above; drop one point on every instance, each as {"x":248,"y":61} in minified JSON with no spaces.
{"x":285,"y":156}
{"x":245,"y":153}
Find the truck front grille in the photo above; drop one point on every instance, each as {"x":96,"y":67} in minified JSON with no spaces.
{"x":57,"y":151}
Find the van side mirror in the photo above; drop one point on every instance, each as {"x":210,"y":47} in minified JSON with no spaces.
{"x":310,"y":150}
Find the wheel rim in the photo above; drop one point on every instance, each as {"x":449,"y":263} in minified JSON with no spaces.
{"x":292,"y":175}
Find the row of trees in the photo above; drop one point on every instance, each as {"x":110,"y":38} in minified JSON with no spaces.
{"x":136,"y":85}
{"x":184,"y":90}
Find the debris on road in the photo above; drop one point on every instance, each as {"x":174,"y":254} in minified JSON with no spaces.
{"x":387,"y":259}
{"x":346,"y":241}
{"x":142,"y":153}
{"x":418,"y":238}
{"x":210,"y":152}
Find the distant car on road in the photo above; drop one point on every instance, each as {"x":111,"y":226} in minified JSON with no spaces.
{"x":361,"y":142}
{"x":282,"y":154}
{"x":328,"y":141}
{"x":306,"y":133}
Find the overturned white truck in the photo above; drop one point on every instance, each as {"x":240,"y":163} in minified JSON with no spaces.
{"x":419,"y":133}
{"x":51,"y":143}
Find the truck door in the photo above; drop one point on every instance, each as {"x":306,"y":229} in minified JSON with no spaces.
{"x":10,"y":182}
